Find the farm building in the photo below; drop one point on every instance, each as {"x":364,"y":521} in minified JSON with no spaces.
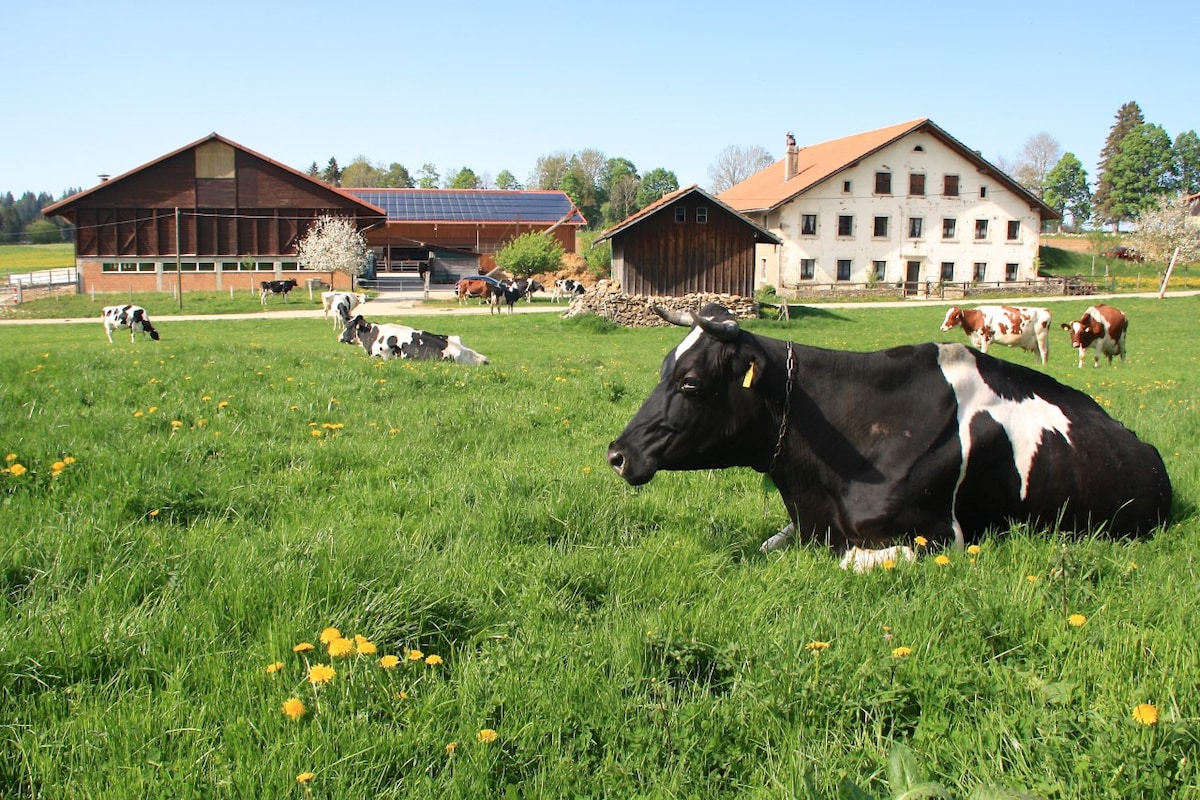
{"x":687,"y":241}
{"x":907,"y":204}
{"x":214,"y":214}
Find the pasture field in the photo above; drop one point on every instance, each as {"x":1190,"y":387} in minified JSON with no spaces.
{"x":182,"y":517}
{"x":30,"y":257}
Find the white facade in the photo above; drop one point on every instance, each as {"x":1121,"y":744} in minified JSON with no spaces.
{"x":985,"y":233}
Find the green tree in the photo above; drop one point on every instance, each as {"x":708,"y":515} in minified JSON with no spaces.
{"x":1129,"y":116}
{"x":396,"y":177}
{"x":332,"y":174}
{"x":1067,"y":192}
{"x":361,"y":174}
{"x":465,"y":178}
{"x":549,"y":170}
{"x":1141,"y":171}
{"x":529,"y":254}
{"x":656,"y":183}
{"x":1187,"y":162}
{"x":42,"y":231}
{"x":427,"y":178}
{"x":621,"y":182}
{"x":313,"y":170}
{"x":506,"y":180}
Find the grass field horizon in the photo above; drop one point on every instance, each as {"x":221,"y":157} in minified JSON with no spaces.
{"x":191,"y":515}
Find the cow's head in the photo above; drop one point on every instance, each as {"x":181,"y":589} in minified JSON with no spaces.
{"x":1084,"y":331}
{"x":459,"y":353}
{"x":351,"y":335}
{"x":707,"y":411}
{"x":954,"y":318}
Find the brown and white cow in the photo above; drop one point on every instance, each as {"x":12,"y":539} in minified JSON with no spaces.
{"x":1102,"y":328}
{"x":1027,"y":327}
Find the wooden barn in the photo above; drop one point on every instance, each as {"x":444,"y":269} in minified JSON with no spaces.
{"x":688,"y":241}
{"x":210,"y":215}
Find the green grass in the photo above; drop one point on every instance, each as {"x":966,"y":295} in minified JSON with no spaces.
{"x":30,"y":257}
{"x":621,"y":642}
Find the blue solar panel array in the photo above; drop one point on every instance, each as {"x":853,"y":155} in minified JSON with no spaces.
{"x":449,"y":205}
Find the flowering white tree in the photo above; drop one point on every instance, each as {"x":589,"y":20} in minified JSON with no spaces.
{"x":333,"y":244}
{"x":1167,"y":225}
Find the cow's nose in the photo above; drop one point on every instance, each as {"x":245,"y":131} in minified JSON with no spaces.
{"x":616,"y":459}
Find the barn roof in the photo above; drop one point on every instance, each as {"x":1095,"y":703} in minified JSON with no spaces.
{"x":766,"y":189}
{"x":473,"y":205}
{"x":669,"y":198}
{"x":319,"y":186}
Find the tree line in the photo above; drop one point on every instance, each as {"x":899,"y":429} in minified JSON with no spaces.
{"x":21,"y":219}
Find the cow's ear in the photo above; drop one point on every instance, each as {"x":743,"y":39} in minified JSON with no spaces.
{"x":752,"y":374}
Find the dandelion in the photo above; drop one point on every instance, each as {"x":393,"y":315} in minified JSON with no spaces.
{"x":889,"y":563}
{"x":902,"y":652}
{"x":942,"y":560}
{"x":293,"y":708}
{"x":321,"y":673}
{"x":389,"y":662}
{"x":920,"y":541}
{"x":1031,"y":578}
{"x":69,"y":460}
{"x":817,"y":647}
{"x":1077,"y":620}
{"x":138,"y":415}
{"x":11,"y":457}
{"x":316,"y":433}
{"x":303,"y":647}
{"x":176,"y":424}
{"x":340,"y":648}
{"x":305,"y":777}
{"x":364,"y":645}
{"x":329,"y":634}
{"x":206,"y":398}
{"x":974,"y":550}
{"x":487,"y":736}
{"x":450,"y":748}
{"x":223,"y":404}
{"x":17,"y":469}
{"x":154,"y":512}
{"x":58,"y":466}
{"x":415,"y":655}
{"x":273,"y":668}
{"x":433,"y":660}
{"x":1145,"y":714}
{"x":151,"y":409}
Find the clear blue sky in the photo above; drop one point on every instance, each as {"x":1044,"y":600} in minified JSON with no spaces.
{"x":97,"y":87}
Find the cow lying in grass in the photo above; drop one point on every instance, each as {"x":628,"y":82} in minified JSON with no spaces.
{"x":400,"y":341}
{"x":871,"y":450}
{"x":132,"y":317}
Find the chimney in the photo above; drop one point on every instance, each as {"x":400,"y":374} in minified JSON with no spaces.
{"x":791,"y":164}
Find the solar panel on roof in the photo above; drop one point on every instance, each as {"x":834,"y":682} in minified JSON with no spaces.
{"x":465,"y":206}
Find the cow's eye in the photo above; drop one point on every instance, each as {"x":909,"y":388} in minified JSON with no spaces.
{"x":690,"y":385}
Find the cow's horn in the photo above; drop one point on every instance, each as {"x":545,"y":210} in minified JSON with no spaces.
{"x":724,"y":329}
{"x":684,"y":319}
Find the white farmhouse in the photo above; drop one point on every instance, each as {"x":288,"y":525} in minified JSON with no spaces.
{"x":906,"y":204}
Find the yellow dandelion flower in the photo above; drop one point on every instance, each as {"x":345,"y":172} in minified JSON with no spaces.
{"x":1145,"y":714}
{"x":176,"y":424}
{"x":329,"y":634}
{"x":17,"y":469}
{"x":889,"y":563}
{"x":11,"y":457}
{"x":902,"y":652}
{"x":393,"y":431}
{"x":487,"y":736}
{"x":817,"y":646}
{"x":151,"y":409}
{"x":1077,"y":620}
{"x":303,"y":647}
{"x":920,"y":541}
{"x":974,"y":550}
{"x":273,"y":668}
{"x":402,"y":695}
{"x":58,"y":466}
{"x":138,"y":415}
{"x":389,"y":662}
{"x":1031,"y":578}
{"x":206,"y":398}
{"x":154,"y":512}
{"x":942,"y":560}
{"x":316,"y":433}
{"x":69,"y":460}
{"x":433,"y":660}
{"x":321,"y":673}
{"x":364,"y":645}
{"x":450,"y":748}
{"x":223,"y":404}
{"x":305,"y":777}
{"x":415,"y":655}
{"x":340,"y":648}
{"x":293,"y":708}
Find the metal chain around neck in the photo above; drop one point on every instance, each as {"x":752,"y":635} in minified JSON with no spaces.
{"x":787,"y":407}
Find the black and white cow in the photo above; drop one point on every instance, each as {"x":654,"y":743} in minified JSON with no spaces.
{"x":277,"y":287}
{"x":132,"y":317}
{"x":504,"y":294}
{"x":526,"y":286}
{"x":400,"y":341}
{"x":566,"y":287}
{"x":340,"y":304}
{"x":870,"y":450}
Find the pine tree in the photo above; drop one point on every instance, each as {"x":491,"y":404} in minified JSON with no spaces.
{"x":1129,"y":117}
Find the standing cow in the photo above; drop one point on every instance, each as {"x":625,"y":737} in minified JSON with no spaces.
{"x":1026,"y":327}
{"x":340,"y":304}
{"x":128,"y":316}
{"x":870,"y":450}
{"x":1104,"y":328}
{"x":276,"y":287}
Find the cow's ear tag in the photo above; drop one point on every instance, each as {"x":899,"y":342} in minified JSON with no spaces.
{"x":749,"y":379}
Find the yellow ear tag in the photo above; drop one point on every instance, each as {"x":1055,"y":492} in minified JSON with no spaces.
{"x":749,"y":379}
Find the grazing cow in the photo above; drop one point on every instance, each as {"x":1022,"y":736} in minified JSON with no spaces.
{"x":277,"y":287}
{"x":340,"y":304}
{"x":1026,"y":327}
{"x":478,"y":286}
{"x":132,"y":317}
{"x":566,"y":287}
{"x":1104,"y":328}
{"x":505,"y":294}
{"x":527,"y":286}
{"x":870,"y":450}
{"x":390,"y":341}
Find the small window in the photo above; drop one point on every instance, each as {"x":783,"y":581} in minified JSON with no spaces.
{"x":915,"y":224}
{"x":881,"y":227}
{"x":982,"y":192}
{"x":808,"y":268}
{"x":981,"y":226}
{"x":845,"y":225}
{"x":883,"y":183}
{"x":879,"y":269}
{"x":108,"y":267}
{"x":947,"y":270}
{"x":808,"y":225}
{"x":845,"y":187}
{"x":949,"y":227}
{"x":979,"y":272}
{"x":950,"y":186}
{"x":290,"y":266}
{"x":1014,"y":230}
{"x":1010,"y":272}
{"x":916,"y":184}
{"x":843,"y":269}
{"x":919,"y":149}
{"x":680,"y":213}
{"x":701,"y":215}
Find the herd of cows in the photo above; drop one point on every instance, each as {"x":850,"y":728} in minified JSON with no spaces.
{"x":868,"y":450}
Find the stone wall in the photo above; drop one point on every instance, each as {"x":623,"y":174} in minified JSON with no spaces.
{"x":606,"y":300}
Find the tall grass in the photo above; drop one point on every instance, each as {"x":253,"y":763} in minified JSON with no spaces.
{"x":191,"y":510}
